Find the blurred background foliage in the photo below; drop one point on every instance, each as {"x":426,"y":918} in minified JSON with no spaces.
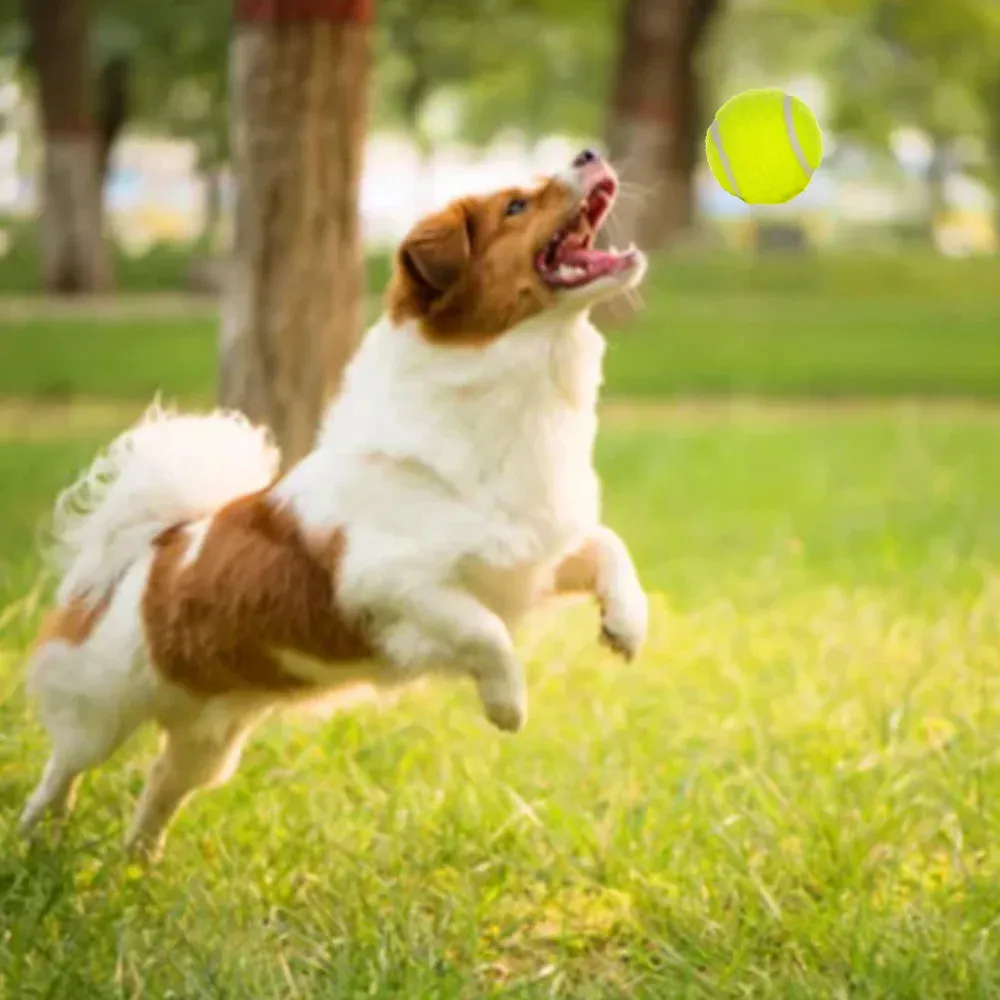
{"x":904,"y":88}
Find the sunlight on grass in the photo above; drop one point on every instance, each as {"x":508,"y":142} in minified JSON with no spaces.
{"x":781,"y":792}
{"x":795,"y":792}
{"x":32,"y":419}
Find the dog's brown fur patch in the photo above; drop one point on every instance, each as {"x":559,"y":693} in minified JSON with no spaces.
{"x":256,"y":587}
{"x":468,"y":273}
{"x":72,"y":622}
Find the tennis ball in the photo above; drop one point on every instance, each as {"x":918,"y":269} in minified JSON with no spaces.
{"x":763,"y":146}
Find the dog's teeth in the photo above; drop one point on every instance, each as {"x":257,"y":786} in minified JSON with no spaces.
{"x":570,"y":272}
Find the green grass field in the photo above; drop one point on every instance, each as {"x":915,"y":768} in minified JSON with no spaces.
{"x":877,"y":327}
{"x":795,"y":793}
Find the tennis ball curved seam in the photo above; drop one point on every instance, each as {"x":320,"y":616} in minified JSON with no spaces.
{"x":793,"y":138}
{"x":715,"y":132}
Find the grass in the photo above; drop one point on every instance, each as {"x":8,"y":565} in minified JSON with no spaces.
{"x":839,"y":326}
{"x":825,"y":327}
{"x":72,"y":358}
{"x":794,"y":794}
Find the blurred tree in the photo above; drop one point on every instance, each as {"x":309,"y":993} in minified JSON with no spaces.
{"x":656,"y":120}
{"x":161,"y":68}
{"x":179,"y":80}
{"x":537,"y":67}
{"x":292,"y":309}
{"x":989,"y":96}
{"x":551,"y":77}
{"x":890,"y":64}
{"x":931,"y":60}
{"x":75,"y":254}
{"x":113,"y":46}
{"x":113,"y":107}
{"x":424,"y":46}
{"x":110,"y":48}
{"x":991,"y":99}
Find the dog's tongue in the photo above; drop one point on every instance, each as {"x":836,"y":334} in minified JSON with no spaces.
{"x":582,"y":257}
{"x":595,"y":261}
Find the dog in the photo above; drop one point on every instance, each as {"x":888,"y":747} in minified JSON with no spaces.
{"x":451,"y":490}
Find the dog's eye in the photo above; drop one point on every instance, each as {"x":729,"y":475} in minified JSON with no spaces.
{"x":516,"y":207}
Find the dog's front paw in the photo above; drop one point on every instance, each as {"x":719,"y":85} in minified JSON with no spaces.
{"x":505,"y":703}
{"x":509,"y":718}
{"x":624,"y":624}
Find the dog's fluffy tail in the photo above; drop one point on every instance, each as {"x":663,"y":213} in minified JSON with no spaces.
{"x":167,"y":469}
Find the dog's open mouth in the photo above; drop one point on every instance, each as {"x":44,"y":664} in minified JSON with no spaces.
{"x":569,"y":260}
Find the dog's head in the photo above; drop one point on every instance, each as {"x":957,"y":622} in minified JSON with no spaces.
{"x":484,"y":264}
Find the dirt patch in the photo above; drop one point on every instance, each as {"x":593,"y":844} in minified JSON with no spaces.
{"x":697,"y":411}
{"x":28,"y":419}
{"x":31,"y":420}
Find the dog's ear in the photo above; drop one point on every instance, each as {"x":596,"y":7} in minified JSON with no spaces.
{"x":437,"y":250}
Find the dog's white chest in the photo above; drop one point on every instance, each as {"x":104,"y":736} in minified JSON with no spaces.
{"x":535,"y":509}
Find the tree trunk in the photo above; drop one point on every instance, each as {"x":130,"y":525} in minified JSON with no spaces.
{"x":75,"y":255}
{"x":935,"y":178}
{"x":695,"y":118}
{"x":211,"y":221}
{"x":994,"y":112}
{"x":293,"y":302}
{"x":655,"y":119}
{"x":112,"y":108}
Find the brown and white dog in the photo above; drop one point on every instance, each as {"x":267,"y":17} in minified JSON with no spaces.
{"x":451,"y":490}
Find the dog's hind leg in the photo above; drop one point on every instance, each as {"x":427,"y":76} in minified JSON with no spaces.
{"x":199,"y":752}
{"x":85,"y":722}
{"x":72,"y":754}
{"x":55,"y":793}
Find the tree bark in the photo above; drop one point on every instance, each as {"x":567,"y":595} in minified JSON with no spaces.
{"x":113,"y":101}
{"x":655,"y":123}
{"x":994,"y":111}
{"x":293,"y":302}
{"x":212,"y":222}
{"x":935,"y":179}
{"x":695,"y":118}
{"x":75,"y":254}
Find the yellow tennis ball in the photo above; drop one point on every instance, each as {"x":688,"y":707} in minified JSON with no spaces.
{"x":764,"y":146}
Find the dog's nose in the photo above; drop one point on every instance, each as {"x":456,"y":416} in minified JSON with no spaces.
{"x":587,"y":156}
